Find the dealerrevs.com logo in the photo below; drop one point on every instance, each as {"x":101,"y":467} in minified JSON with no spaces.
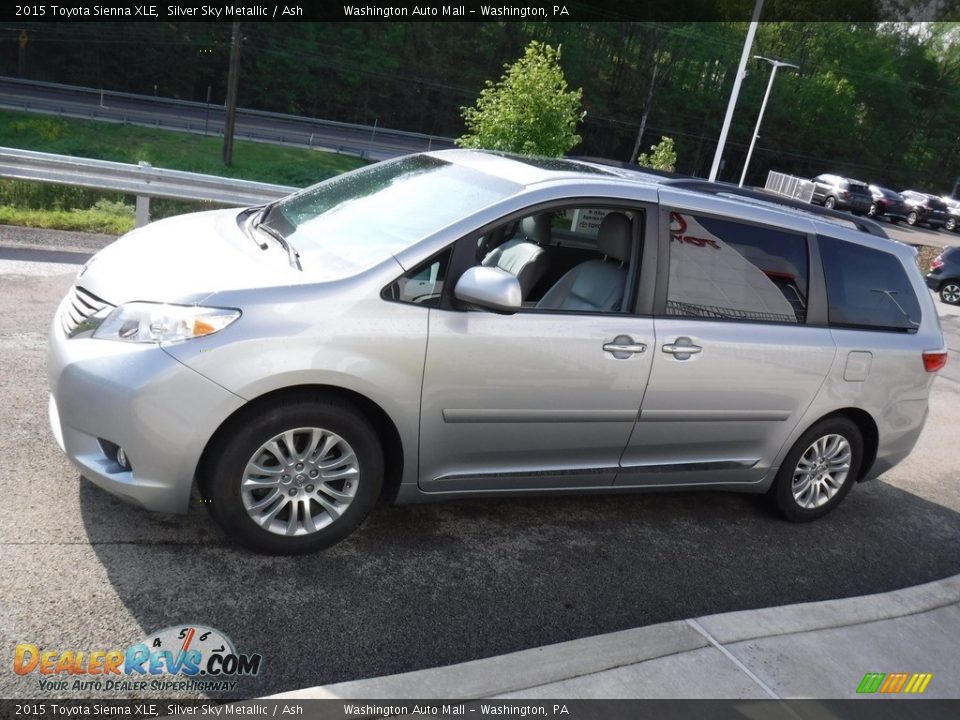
{"x":190,"y":658}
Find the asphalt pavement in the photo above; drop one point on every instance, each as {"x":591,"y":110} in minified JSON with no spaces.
{"x":423,"y":586}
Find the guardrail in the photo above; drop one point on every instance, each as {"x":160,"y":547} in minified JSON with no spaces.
{"x":369,"y":142}
{"x":142,"y":180}
{"x":789,"y":186}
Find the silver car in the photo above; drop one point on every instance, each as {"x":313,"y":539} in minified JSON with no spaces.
{"x":463,"y":323}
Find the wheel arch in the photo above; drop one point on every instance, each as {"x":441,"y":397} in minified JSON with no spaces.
{"x":393,"y":456}
{"x":868,"y":431}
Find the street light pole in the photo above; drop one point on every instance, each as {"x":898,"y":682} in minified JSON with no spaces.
{"x":776,"y":64}
{"x":735,"y":93}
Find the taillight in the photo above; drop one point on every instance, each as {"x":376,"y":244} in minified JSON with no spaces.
{"x":937,"y":263}
{"x":934,"y":360}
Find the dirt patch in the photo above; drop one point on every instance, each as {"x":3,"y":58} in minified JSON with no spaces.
{"x":925,"y":255}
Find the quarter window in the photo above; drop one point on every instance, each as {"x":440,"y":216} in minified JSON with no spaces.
{"x":867,"y":288}
{"x":729,"y":270}
{"x":423,"y":285}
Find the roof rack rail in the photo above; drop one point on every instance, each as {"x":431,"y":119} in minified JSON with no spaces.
{"x":861,"y":223}
{"x":688,"y":182}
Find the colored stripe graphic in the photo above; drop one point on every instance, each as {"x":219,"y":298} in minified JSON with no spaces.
{"x":893,"y":683}
{"x":918,"y":683}
{"x":871,"y":682}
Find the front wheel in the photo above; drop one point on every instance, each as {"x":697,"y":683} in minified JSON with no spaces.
{"x":830,"y":203}
{"x":950,"y":292}
{"x":872,"y":212}
{"x":296,"y":477}
{"x":951,"y":224}
{"x":819,"y":470}
{"x":912,"y":218}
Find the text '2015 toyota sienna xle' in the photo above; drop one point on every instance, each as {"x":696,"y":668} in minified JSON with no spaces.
{"x":463,"y":323}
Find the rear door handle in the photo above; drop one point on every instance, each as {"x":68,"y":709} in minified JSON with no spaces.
{"x":623,"y":347}
{"x":682,"y":348}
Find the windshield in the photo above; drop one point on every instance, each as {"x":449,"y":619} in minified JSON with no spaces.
{"x":354,"y":221}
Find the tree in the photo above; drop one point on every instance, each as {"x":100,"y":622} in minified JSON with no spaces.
{"x":529,"y":111}
{"x":662,"y":156}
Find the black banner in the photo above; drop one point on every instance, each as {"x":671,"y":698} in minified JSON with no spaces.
{"x":474,"y":11}
{"x":881,"y":709}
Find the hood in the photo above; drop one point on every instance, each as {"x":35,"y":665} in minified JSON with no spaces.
{"x":186,"y":258}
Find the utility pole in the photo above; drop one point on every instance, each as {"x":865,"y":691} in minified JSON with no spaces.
{"x":233,"y":82}
{"x":735,"y":93}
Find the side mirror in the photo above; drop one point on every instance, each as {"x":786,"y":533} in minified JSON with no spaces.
{"x":490,"y":288}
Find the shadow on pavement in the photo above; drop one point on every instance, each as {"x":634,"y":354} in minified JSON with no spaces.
{"x":431,"y":585}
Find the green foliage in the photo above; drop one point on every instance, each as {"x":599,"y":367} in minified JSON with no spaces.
{"x":663,"y":156}
{"x":89,"y":220}
{"x":72,"y":208}
{"x":529,"y":111}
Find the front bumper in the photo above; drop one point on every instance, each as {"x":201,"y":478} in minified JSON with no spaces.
{"x":933,"y":281}
{"x":138,"y":397}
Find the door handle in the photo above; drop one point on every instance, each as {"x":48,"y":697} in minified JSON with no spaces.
{"x":623,"y":347}
{"x":682,"y":348}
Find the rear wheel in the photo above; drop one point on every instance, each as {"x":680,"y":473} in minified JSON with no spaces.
{"x":819,"y":470}
{"x":296,"y":477}
{"x":830,"y":202}
{"x":872,"y":212}
{"x":951,"y":224}
{"x":950,"y":292}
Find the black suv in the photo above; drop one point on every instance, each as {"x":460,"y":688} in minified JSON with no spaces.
{"x":952,"y":222}
{"x":944,"y":275}
{"x":834,"y":191}
{"x":887,"y":203}
{"x":924,"y":208}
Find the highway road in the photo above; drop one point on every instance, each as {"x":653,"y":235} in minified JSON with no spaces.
{"x":417,"y":586}
{"x":89,"y":103}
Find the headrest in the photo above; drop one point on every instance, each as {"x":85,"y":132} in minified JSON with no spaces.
{"x":537,"y":228}
{"x":614,"y":237}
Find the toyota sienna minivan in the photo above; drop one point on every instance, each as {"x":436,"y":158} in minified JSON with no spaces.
{"x":462,"y":323}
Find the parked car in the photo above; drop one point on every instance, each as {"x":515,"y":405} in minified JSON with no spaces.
{"x":924,"y":209}
{"x":382,"y":334}
{"x":944,"y":275}
{"x":834,"y":191}
{"x":952,"y":223}
{"x":887,"y":203}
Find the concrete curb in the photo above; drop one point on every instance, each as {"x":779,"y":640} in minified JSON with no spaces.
{"x":701,"y":641}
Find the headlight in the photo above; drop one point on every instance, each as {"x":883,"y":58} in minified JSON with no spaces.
{"x":144,"y":322}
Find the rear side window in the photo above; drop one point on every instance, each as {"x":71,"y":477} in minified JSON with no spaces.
{"x":867,"y":288}
{"x":729,"y":270}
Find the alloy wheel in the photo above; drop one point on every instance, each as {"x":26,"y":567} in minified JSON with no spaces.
{"x":300,"y":481}
{"x":950,"y":293}
{"x":821,"y":471}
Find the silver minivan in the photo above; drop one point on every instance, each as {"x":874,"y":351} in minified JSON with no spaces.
{"x":463,"y":323}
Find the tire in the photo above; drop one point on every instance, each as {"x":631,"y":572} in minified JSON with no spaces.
{"x":317,"y":512}
{"x":951,"y":224}
{"x":830,"y":203}
{"x":840,"y":435}
{"x":872,"y":212}
{"x":912,"y":218}
{"x":950,"y":292}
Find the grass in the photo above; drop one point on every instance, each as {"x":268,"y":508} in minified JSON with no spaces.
{"x":69,"y":208}
{"x":83,"y":220}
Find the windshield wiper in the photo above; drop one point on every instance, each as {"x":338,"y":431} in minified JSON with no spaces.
{"x":890,"y":294}
{"x":292,"y":255}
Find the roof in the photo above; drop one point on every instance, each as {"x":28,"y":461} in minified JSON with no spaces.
{"x":528,"y":170}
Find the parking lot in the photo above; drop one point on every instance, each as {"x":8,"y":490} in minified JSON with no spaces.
{"x":427,"y":585}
